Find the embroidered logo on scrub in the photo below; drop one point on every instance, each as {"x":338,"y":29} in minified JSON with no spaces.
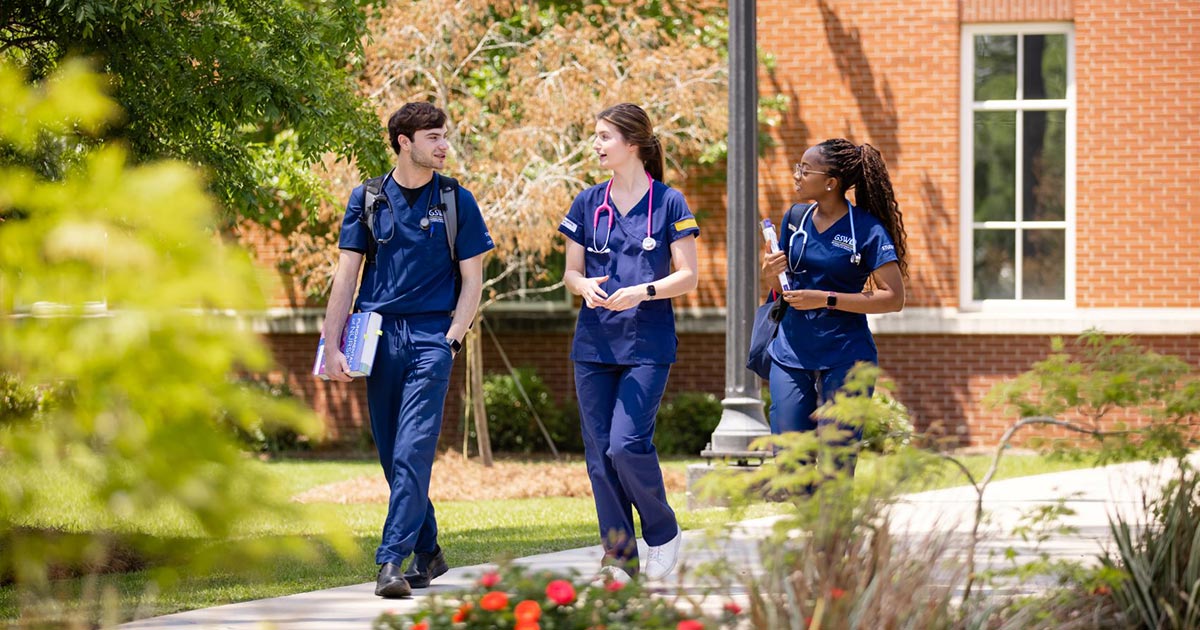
{"x":570,"y":225}
{"x":436,"y":215}
{"x":844,"y":242}
{"x":685,"y":224}
{"x":887,"y":247}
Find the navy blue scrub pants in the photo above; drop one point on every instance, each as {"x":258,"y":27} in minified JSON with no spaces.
{"x":795,"y":396}
{"x":405,"y":393}
{"x":617,"y":408}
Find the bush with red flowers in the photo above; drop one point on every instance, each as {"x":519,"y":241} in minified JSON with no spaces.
{"x":517,"y":599}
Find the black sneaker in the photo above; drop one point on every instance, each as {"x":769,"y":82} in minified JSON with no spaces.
{"x":425,"y":567}
{"x":390,"y":584}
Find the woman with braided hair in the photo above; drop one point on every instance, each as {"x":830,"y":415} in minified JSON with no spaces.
{"x":843,"y":261}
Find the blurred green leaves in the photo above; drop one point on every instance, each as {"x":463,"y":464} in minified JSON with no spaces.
{"x":114,"y":289}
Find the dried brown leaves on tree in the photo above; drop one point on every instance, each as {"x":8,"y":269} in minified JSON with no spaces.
{"x":522,"y":84}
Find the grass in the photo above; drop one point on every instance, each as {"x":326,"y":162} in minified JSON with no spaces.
{"x":472,"y":532}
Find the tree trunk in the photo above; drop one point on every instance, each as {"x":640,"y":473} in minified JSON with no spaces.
{"x":475,"y":377}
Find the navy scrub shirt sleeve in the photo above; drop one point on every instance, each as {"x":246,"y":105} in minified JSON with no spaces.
{"x":354,"y":236}
{"x":473,"y":238}
{"x":683,"y":222}
{"x":572,"y":224}
{"x":879,"y":249}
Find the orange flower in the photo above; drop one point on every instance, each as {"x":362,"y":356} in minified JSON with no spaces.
{"x":527,"y":611}
{"x":461,"y":615}
{"x":420,"y":625}
{"x":733,"y":608}
{"x":527,"y":625}
{"x":689,"y":624}
{"x":560,"y":592}
{"x":1103,"y":589}
{"x":489,"y":579}
{"x":494,"y":601}
{"x":837,"y":593}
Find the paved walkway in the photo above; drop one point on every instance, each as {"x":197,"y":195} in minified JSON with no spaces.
{"x":1091,"y":493}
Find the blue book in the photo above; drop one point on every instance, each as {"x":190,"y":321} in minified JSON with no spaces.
{"x":360,"y":339}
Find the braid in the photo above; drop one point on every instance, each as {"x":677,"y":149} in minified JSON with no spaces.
{"x":863,"y":169}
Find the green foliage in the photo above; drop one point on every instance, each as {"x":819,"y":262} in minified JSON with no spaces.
{"x":887,"y":432}
{"x":517,"y":598}
{"x":112,"y":285}
{"x":685,"y":424}
{"x":269,"y":433}
{"x":1158,"y":560}
{"x":18,"y":401}
{"x":1102,"y":376}
{"x":512,"y":425}
{"x":218,"y":84}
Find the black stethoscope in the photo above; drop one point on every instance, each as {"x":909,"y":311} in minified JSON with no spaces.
{"x":855,"y":257}
{"x":648,"y":243}
{"x":425,"y":222}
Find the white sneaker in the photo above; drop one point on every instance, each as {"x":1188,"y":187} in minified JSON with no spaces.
{"x":611,"y":573}
{"x":660,"y":560}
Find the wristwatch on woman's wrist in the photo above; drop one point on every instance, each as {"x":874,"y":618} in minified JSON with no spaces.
{"x":831,"y":301}
{"x":455,"y":345}
{"x":650,"y":291}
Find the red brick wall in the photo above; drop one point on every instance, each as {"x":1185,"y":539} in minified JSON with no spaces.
{"x":1139,"y":135}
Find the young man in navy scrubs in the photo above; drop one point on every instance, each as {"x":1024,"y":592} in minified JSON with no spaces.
{"x":623,"y":238}
{"x":413,"y":283}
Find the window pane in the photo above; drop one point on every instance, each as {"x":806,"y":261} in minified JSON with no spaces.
{"x":1044,"y":166}
{"x":995,"y":166}
{"x":1045,"y":66}
{"x":1043,"y":268}
{"x":995,"y":67}
{"x":995,"y":271}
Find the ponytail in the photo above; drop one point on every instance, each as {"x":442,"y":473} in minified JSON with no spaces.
{"x":653,"y":159}
{"x":863,"y":169}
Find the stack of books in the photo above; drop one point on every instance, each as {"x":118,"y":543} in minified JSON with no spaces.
{"x":360,"y":339}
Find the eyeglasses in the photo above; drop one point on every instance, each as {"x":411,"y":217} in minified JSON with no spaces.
{"x":801,"y":171}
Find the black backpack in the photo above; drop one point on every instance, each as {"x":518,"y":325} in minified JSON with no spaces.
{"x":373,"y":197}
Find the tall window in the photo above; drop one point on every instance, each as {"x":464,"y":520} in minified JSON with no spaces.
{"x":1018,"y":163}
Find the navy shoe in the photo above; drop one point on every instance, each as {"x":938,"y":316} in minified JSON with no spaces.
{"x":425,"y":567}
{"x":390,"y":584}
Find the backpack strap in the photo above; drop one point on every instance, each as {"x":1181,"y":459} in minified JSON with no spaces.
{"x":372,"y":198}
{"x":449,"y":195}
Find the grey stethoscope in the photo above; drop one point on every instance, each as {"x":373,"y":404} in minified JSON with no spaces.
{"x":424,"y":223}
{"x":855,"y":257}
{"x":648,"y":243}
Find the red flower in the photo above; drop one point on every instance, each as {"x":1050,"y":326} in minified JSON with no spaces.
{"x":490,"y":579}
{"x":733,"y":608}
{"x":613,"y":586}
{"x":1103,"y":589}
{"x":560,"y":592}
{"x":527,"y":625}
{"x":494,"y":601}
{"x":837,"y":593}
{"x":461,"y":615}
{"x":527,"y":611}
{"x":420,"y":625}
{"x":689,"y":624}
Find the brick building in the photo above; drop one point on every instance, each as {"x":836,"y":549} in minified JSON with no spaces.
{"x":1043,"y":153}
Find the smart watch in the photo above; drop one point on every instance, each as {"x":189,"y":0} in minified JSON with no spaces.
{"x":651,"y":291}
{"x":831,"y":301}
{"x":455,"y":345}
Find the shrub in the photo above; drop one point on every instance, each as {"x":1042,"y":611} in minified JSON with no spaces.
{"x":266,"y":433}
{"x":512,"y":425}
{"x":685,"y":424}
{"x":514,"y":598}
{"x":1159,"y":561}
{"x":887,"y":432}
{"x":18,"y":401}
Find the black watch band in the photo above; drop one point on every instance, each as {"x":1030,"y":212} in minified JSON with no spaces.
{"x":651,"y":291}
{"x":455,"y":346}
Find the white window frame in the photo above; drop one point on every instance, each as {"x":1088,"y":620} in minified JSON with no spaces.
{"x":967,"y":223}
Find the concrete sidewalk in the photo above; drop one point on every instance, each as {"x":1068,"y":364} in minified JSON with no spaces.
{"x":1091,"y":493}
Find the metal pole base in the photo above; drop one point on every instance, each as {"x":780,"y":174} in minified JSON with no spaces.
{"x":742,"y":422}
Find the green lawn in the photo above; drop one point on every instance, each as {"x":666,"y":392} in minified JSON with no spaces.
{"x":471,"y":532}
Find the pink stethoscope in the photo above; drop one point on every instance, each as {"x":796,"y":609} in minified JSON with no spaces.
{"x":648,"y":243}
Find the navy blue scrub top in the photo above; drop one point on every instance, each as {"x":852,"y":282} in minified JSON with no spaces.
{"x":820,"y":339}
{"x":644,"y":335}
{"x":412,"y":272}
